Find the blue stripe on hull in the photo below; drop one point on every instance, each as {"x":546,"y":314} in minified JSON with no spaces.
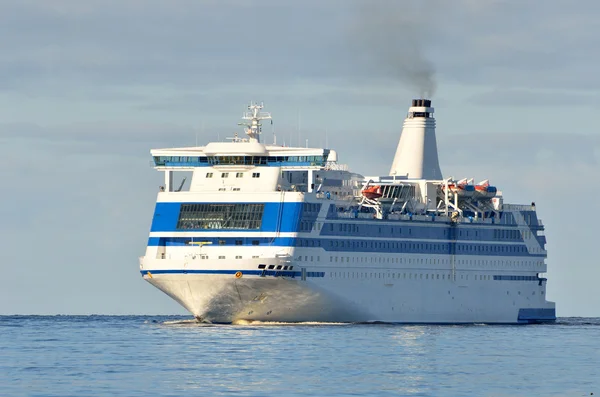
{"x":537,"y":315}
{"x":516,"y":278}
{"x":355,"y":245}
{"x":274,"y":273}
{"x":288,"y":273}
{"x":227,"y":241}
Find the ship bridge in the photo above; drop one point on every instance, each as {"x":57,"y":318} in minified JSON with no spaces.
{"x":246,"y":164}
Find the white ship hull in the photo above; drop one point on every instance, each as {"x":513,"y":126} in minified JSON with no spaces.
{"x":382,"y":295}
{"x":225,"y":299}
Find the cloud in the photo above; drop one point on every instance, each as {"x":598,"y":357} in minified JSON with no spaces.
{"x":520,"y":149}
{"x":203,"y":45}
{"x":518,"y":44}
{"x":71,"y":218}
{"x":107,"y":136}
{"x":199,"y":43}
{"x":535,"y":98}
{"x":90,"y":87}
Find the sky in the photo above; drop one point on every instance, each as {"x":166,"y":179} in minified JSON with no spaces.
{"x":88,"y":88}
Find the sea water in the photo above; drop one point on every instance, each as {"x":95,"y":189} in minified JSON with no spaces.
{"x":175,"y":356}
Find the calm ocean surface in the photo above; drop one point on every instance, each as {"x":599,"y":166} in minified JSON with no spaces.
{"x":171,"y":356}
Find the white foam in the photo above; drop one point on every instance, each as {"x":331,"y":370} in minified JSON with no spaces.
{"x":282,"y":323}
{"x":186,"y":323}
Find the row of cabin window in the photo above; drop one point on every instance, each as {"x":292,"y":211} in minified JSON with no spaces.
{"x":306,"y":226}
{"x":352,"y":228}
{"x":421,"y":276}
{"x":203,"y":256}
{"x":238,"y":242}
{"x":388,"y":260}
{"x":311,"y":207}
{"x":299,"y":259}
{"x":238,"y":160}
{"x":507,"y":234}
{"x":443,"y":247}
{"x":224,"y":257}
{"x":498,"y":233}
{"x":237,"y":175}
{"x":436,"y":276}
{"x":256,"y":160}
{"x":466,"y":262}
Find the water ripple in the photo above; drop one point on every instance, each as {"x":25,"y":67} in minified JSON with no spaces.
{"x":174,"y":355}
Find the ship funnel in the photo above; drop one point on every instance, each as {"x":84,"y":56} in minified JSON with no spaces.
{"x":416,"y":156}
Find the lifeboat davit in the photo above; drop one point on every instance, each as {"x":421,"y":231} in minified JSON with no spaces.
{"x":484,"y":190}
{"x":372,"y":192}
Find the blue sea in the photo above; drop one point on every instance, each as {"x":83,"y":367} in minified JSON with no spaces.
{"x":174,"y":356}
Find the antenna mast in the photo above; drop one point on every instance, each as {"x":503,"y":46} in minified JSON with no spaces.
{"x":254,"y":116}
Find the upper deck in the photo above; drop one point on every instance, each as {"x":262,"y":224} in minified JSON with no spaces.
{"x":229,"y":171}
{"x":241,"y":154}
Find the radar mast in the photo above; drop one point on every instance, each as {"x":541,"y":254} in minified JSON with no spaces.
{"x":253,"y":125}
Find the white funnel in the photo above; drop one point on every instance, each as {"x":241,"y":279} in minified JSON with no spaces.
{"x":416,"y":156}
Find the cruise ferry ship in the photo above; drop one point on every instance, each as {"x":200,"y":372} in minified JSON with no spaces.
{"x":248,"y":231}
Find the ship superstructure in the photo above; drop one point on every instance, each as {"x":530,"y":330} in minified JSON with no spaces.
{"x":273,"y":233}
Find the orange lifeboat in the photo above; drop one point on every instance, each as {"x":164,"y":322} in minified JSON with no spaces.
{"x":484,"y":190}
{"x":372,"y":192}
{"x":462,"y":189}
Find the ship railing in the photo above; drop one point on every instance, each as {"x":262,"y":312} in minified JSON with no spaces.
{"x":411,"y":217}
{"x":518,"y":207}
{"x":332,"y":165}
{"x":327,"y":195}
{"x":421,"y":217}
{"x":470,"y":219}
{"x":365,"y":215}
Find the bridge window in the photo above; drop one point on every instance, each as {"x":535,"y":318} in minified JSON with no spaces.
{"x":256,"y":175}
{"x":209,"y":174}
{"x":220,"y":216}
{"x":225,"y":175}
{"x":239,"y":175}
